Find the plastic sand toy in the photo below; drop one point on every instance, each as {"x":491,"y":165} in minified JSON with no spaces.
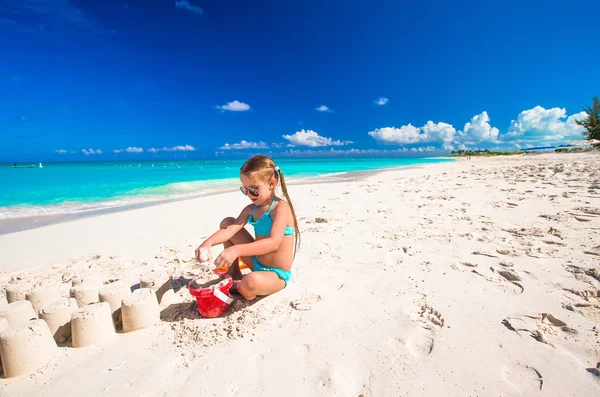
{"x":211,"y":291}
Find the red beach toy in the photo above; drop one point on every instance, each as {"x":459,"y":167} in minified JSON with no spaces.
{"x":212,"y":298}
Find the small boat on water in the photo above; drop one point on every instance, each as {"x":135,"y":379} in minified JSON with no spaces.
{"x":23,"y":166}
{"x":40,"y":165}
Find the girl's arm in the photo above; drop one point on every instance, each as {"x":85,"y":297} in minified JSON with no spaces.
{"x":280,"y":215}
{"x":222,"y":235}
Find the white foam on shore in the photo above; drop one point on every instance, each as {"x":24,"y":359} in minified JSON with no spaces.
{"x":174,"y":191}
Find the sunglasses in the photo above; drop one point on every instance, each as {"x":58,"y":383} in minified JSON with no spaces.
{"x":252,"y":190}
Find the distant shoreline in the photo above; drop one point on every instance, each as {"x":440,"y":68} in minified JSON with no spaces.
{"x":17,"y":224}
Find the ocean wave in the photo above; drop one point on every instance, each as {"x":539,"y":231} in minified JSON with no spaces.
{"x":169,"y":192}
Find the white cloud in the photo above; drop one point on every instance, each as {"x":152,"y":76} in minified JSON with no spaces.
{"x":439,"y":132}
{"x":277,"y":145}
{"x":409,"y":134}
{"x":91,"y":151}
{"x":480,"y":130}
{"x":381,"y":101}
{"x":118,"y":151}
{"x":391,"y":135}
{"x":244,"y":145}
{"x":333,"y":152}
{"x":323,"y":108}
{"x":545,"y":126}
{"x":185,"y":5}
{"x":423,"y":149}
{"x":186,"y":148}
{"x":235,"y":106}
{"x":134,"y":150}
{"x":312,"y":139}
{"x":60,"y":151}
{"x":443,"y":134}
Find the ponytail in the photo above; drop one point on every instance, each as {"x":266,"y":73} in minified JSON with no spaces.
{"x":289,"y":201}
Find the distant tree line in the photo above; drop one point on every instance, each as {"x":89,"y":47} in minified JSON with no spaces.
{"x":482,"y":152}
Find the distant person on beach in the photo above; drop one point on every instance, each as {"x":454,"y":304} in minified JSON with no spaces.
{"x":270,"y":256}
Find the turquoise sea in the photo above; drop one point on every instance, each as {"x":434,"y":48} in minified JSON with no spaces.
{"x":67,"y":188}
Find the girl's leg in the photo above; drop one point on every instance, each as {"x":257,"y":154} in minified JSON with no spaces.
{"x":241,"y":237}
{"x":260,"y":284}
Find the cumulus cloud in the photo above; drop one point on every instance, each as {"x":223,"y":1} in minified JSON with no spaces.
{"x":185,"y":5}
{"x":480,"y":130}
{"x":382,"y":101}
{"x":235,"y":106}
{"x":423,"y":149}
{"x":90,"y":151}
{"x":118,"y":151}
{"x":409,"y":134}
{"x":60,"y":151}
{"x":323,"y":108}
{"x":333,"y":152}
{"x":134,"y":150}
{"x":312,"y":139}
{"x":534,"y":127}
{"x":244,"y":145}
{"x":391,"y":135}
{"x":545,"y":126}
{"x":186,"y":148}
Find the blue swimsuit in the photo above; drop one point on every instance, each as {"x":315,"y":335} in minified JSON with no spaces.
{"x":262,"y":227}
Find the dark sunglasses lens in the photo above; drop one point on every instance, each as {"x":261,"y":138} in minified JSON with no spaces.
{"x":251,"y":190}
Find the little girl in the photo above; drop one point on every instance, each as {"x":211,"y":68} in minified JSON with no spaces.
{"x":270,"y":256}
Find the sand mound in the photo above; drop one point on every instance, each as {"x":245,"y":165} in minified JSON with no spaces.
{"x":192,"y":331}
{"x":207,"y":279}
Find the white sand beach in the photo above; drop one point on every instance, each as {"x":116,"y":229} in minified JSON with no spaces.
{"x":469,"y":278}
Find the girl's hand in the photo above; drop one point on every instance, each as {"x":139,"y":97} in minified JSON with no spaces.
{"x":203,"y":254}
{"x":226,"y":258}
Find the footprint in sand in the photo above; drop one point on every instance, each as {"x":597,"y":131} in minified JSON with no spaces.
{"x":304,"y":304}
{"x":588,"y":310}
{"x":506,"y":280}
{"x":421,"y":340}
{"x":540,"y":327}
{"x":524,"y":378}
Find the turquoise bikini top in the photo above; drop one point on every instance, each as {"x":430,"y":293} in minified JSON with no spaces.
{"x":262,"y":227}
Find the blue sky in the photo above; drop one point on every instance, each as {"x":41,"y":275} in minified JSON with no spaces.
{"x":91,"y":80}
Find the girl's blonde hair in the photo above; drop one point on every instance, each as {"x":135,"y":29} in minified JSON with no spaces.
{"x":263,"y":168}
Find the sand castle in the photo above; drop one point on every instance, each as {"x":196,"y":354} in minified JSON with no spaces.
{"x":92,"y":325}
{"x":16,"y":292}
{"x":89,"y":317}
{"x":18,"y":312}
{"x":3,"y":324}
{"x":43,"y":296}
{"x":113,"y":294}
{"x":85,"y":294}
{"x":161,"y":284}
{"x":140,"y":310}
{"x":58,"y":317}
{"x":26,"y":347}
